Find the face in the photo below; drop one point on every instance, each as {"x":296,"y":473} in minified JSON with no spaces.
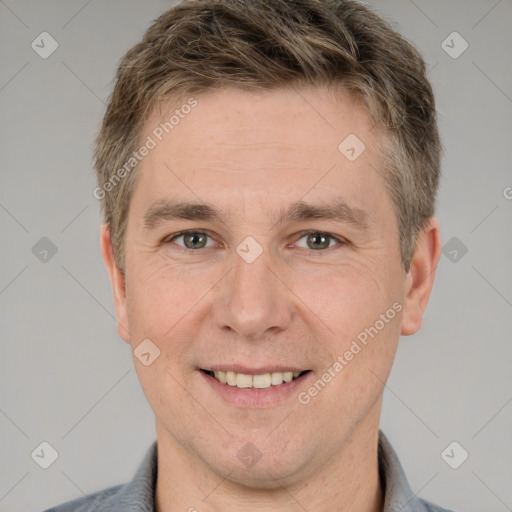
{"x":287,"y":267}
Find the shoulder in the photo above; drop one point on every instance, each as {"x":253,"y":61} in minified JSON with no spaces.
{"x":398,"y":495}
{"x":136,"y":495}
{"x":105,"y":501}
{"x":427,"y":506}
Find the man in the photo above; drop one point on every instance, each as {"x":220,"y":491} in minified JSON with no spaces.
{"x":268,"y":172}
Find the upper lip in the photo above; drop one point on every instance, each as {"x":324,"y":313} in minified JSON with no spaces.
{"x":238,"y":368}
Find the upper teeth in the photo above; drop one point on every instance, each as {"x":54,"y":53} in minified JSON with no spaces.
{"x":262,"y":381}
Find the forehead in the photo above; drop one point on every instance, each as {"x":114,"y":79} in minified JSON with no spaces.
{"x":241,"y":146}
{"x":300,"y":118}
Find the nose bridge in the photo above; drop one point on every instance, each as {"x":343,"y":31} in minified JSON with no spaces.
{"x":254,"y":300}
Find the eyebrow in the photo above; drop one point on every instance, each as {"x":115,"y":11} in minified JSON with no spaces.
{"x":335,"y":210}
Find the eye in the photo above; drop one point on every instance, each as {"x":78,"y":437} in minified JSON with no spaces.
{"x":191,"y":239}
{"x":318,"y":240}
{"x":315,"y":240}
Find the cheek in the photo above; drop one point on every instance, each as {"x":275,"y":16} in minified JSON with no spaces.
{"x":157,"y":302}
{"x":351,"y":298}
{"x":365,"y":311}
{"x":158,"y":294}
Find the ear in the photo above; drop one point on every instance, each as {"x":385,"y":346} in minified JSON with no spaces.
{"x":420,"y":278}
{"x":117,"y":281}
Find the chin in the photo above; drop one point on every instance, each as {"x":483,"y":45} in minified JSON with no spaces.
{"x":270,"y":467}
{"x":265,"y":477}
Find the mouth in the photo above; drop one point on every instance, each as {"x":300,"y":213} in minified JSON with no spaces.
{"x":254,"y":381}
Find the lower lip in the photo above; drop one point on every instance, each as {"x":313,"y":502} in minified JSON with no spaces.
{"x":250,"y":397}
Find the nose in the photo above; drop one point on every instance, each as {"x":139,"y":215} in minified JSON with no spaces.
{"x":253,"y":301}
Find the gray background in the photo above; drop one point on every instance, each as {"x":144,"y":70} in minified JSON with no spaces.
{"x":68,"y":379}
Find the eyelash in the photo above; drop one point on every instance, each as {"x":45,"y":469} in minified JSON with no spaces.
{"x":341,"y":241}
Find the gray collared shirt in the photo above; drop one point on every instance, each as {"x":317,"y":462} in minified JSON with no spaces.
{"x":139,"y":494}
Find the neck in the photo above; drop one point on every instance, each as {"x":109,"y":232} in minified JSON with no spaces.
{"x":348,"y":482}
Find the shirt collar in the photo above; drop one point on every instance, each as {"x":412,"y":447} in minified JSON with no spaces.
{"x":398,"y":495}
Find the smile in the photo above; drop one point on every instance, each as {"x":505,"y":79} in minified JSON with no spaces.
{"x":247,"y":381}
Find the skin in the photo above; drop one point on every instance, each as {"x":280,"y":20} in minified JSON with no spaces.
{"x":251,"y":155}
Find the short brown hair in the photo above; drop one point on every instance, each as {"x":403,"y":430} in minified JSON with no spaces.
{"x":200,"y":45}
